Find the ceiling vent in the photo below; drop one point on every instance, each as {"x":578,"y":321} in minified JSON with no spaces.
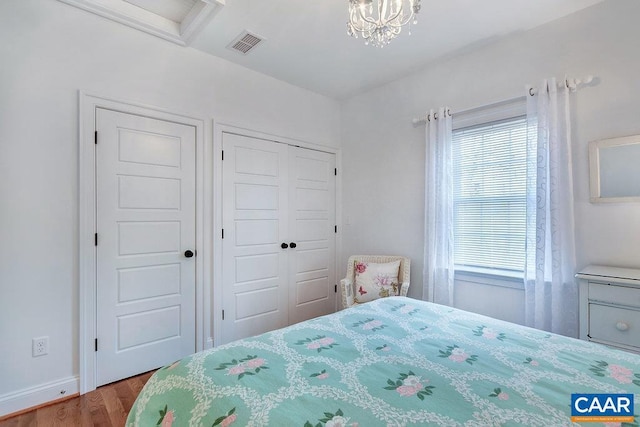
{"x":245,"y":42}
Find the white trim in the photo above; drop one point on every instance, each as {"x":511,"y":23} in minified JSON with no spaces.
{"x":243,"y":131}
{"x":216,"y":238}
{"x":151,"y":23}
{"x":34,"y":396}
{"x":88,"y":104}
{"x":340,"y":225}
{"x":198,"y":18}
{"x":216,"y":245}
{"x":485,"y":277}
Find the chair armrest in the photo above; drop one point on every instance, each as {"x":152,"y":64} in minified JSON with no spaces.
{"x":346,"y":286}
{"x":404,"y":288}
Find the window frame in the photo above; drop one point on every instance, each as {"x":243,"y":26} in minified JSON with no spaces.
{"x":502,"y":111}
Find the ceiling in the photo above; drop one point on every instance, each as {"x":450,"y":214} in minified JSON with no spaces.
{"x":306,"y":43}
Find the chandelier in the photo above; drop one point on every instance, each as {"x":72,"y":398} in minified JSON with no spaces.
{"x":380,"y":21}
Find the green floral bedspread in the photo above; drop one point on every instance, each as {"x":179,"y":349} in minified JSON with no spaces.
{"x":395,"y":361}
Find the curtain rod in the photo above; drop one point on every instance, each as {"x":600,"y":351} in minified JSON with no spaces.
{"x":572,"y":84}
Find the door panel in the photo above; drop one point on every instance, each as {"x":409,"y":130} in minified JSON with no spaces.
{"x":257,"y":197}
{"x":136,"y":146}
{"x":145,"y":176}
{"x":274,"y":194}
{"x":257,"y":232}
{"x":148,"y":237}
{"x":136,"y":192}
{"x":314,"y":289}
{"x":257,"y":303}
{"x":312,"y":208}
{"x":311,"y":200}
{"x":148,"y":327}
{"x":132,"y":282}
{"x":254,"y":216}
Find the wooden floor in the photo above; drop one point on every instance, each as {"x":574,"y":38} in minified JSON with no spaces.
{"x":106,"y":406}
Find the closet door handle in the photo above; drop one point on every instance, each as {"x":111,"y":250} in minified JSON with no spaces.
{"x":293,"y":245}
{"x":284,"y":246}
{"x":188,"y":254}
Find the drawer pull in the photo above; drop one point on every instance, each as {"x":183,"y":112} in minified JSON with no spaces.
{"x":622,"y":326}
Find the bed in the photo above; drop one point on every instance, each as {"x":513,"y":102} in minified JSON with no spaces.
{"x":395,"y":361}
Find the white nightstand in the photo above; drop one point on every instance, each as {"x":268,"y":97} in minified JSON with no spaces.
{"x":610,"y":306}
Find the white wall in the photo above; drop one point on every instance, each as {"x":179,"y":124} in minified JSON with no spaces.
{"x":383,"y":153}
{"x":49,"y":51}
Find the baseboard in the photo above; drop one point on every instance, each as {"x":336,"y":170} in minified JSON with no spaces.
{"x":20,"y":400}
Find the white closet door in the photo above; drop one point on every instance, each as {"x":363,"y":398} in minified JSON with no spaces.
{"x":312,"y":271}
{"x":255,"y":220}
{"x":145,"y":175}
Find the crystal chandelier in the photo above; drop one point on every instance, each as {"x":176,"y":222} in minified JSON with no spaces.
{"x":380,"y":21}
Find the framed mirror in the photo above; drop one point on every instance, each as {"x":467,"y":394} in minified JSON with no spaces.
{"x":614,"y":169}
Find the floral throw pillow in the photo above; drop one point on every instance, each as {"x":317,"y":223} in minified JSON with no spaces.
{"x":376,"y":280}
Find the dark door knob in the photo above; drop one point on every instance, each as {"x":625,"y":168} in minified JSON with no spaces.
{"x":188,"y":253}
{"x":293,"y":244}
{"x":284,"y":246}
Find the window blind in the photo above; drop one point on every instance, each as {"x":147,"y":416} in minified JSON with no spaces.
{"x":489,"y":178}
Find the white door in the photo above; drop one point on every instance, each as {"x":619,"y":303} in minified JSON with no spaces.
{"x":255,"y":220}
{"x":312,"y":272}
{"x":278,"y":250}
{"x":145,"y":175}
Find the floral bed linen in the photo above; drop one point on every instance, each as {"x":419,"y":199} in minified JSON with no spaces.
{"x":394,"y":361}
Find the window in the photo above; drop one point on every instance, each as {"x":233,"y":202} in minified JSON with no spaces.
{"x":489,"y":196}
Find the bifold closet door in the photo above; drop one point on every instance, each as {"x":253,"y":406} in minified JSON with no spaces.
{"x":312,"y":213}
{"x":255,"y":220}
{"x":278,"y":215}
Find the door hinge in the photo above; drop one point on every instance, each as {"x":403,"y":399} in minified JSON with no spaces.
{"x":335,"y":171}
{"x":223,"y":233}
{"x":95,"y":137}
{"x":95,"y":239}
{"x":335,"y":228}
{"x":96,"y":344}
{"x":335,"y":289}
{"x":222,"y":154}
{"x":222,"y":314}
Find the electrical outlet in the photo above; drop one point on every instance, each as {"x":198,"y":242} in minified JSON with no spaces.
{"x":39,"y":346}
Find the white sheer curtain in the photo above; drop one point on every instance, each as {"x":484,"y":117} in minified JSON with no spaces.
{"x":551,"y":293}
{"x":438,"y":240}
